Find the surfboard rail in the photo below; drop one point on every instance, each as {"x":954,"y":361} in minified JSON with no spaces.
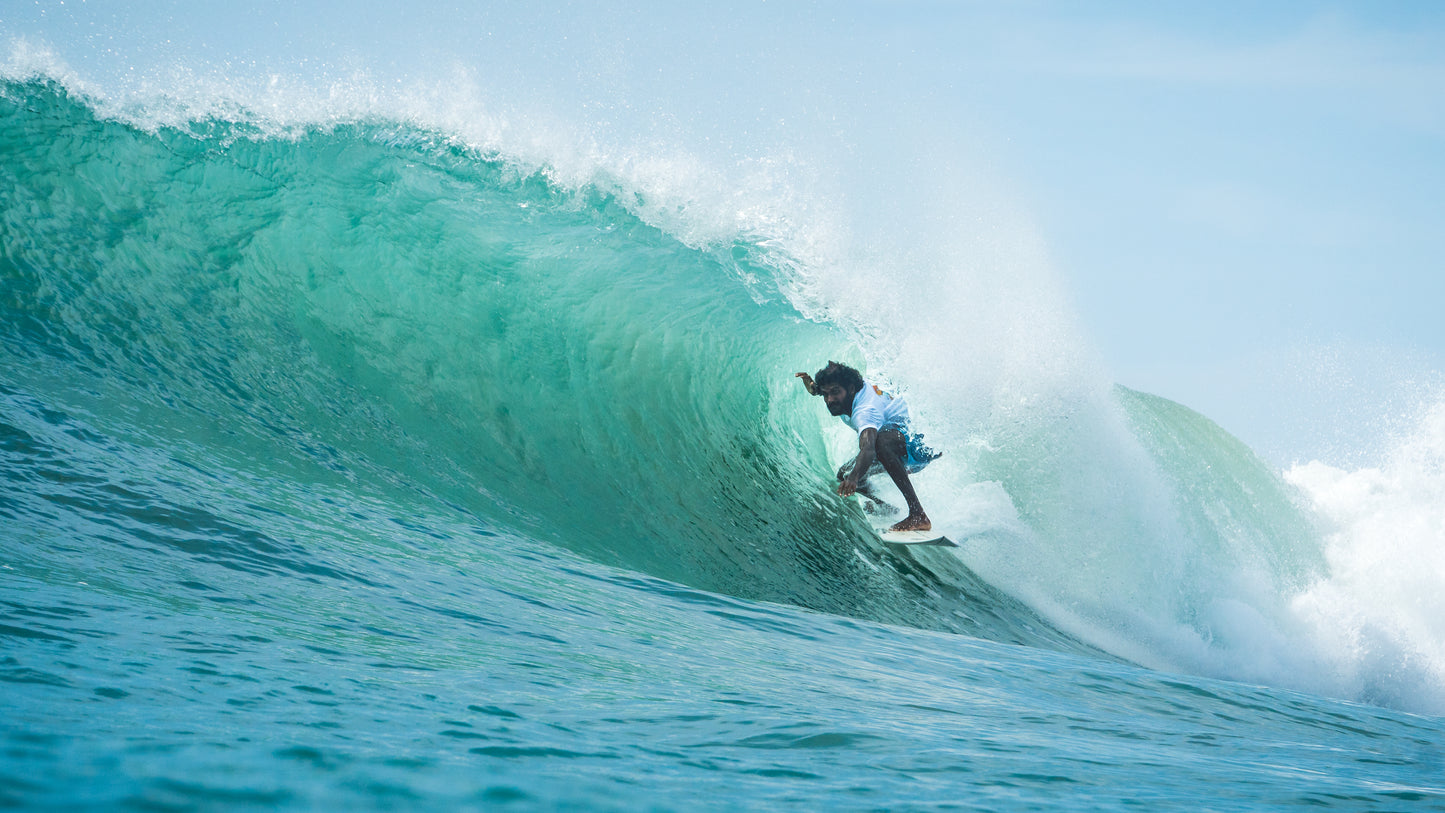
{"x":916,"y":538}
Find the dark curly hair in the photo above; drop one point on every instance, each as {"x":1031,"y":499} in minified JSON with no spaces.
{"x":840,"y":374}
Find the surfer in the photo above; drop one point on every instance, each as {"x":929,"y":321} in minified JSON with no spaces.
{"x":884,"y":440}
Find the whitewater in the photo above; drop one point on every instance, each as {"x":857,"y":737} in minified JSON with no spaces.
{"x":359,"y":450}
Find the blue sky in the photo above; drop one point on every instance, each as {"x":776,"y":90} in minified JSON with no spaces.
{"x":1246,"y":200}
{"x":1242,"y":200}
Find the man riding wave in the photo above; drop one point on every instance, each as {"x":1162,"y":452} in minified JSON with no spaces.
{"x":884,"y":439}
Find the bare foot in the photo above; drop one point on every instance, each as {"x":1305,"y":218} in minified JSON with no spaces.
{"x":914,"y":522}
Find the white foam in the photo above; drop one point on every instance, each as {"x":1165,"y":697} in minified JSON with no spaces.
{"x":1380,"y":613}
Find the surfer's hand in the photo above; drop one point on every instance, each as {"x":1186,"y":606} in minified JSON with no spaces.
{"x":808,"y":383}
{"x":847,"y":487}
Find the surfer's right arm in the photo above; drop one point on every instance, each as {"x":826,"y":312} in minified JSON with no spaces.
{"x":808,"y":383}
{"x":867,"y":453}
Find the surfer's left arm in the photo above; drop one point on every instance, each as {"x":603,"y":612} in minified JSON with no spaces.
{"x":867,"y":453}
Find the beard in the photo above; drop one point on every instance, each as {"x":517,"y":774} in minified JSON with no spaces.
{"x":838,"y":409}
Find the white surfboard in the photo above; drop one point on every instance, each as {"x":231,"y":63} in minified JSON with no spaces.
{"x":916,"y":538}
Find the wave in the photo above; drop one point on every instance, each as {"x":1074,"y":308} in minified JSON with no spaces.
{"x":382,"y":305}
{"x":375,"y":303}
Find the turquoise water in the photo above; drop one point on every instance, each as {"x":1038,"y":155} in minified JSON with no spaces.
{"x":355,"y":467}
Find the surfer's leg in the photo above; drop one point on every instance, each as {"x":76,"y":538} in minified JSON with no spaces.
{"x":892,"y":453}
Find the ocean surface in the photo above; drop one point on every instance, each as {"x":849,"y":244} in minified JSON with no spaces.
{"x":349,"y":463}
